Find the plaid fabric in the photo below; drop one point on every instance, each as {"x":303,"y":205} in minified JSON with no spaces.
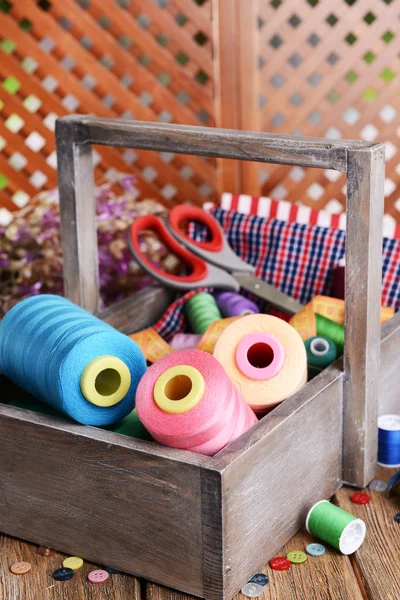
{"x":265,"y":207}
{"x":296,"y":258}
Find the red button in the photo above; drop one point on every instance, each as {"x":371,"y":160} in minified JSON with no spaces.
{"x":279,"y":563}
{"x":360,"y":498}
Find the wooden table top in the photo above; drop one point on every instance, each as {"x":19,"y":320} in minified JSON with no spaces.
{"x":371,"y":573}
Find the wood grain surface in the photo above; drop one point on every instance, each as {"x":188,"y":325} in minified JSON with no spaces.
{"x":370,"y":574}
{"x":377,"y":561}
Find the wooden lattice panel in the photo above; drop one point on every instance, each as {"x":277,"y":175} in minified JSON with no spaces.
{"x":117,"y":58}
{"x":329,"y":68}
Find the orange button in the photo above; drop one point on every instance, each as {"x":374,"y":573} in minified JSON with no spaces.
{"x":20,"y":568}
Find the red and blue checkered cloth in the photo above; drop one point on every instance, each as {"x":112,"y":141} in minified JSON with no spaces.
{"x":297,"y":258}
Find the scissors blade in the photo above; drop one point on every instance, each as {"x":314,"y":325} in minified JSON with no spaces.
{"x":266,"y":291}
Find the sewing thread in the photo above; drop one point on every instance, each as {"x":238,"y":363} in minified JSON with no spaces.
{"x":201,"y":310}
{"x":66,"y":357}
{"x":336,"y":527}
{"x":186,"y":400}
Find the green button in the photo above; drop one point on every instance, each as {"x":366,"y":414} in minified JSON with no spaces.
{"x":297,"y":557}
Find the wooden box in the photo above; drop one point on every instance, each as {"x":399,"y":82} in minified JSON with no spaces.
{"x":199,"y":524}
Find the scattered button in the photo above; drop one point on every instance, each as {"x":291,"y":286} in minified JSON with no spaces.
{"x":297,"y":557}
{"x":279,"y":563}
{"x":252,"y":590}
{"x":360,"y":498}
{"x":43,"y":551}
{"x":397,"y":518}
{"x":259,"y":578}
{"x":63,"y":574}
{"x":98,"y":576}
{"x":73,"y":562}
{"x":378,"y":485}
{"x":20,"y":568}
{"x":315,"y":549}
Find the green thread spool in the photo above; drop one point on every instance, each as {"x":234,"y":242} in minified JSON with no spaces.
{"x":336,"y":527}
{"x":331,"y":330}
{"x":201,"y":311}
{"x":321,"y":352}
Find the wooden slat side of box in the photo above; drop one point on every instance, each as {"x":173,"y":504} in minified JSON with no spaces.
{"x":269,"y":487}
{"x":389,"y":381}
{"x":107,"y":502}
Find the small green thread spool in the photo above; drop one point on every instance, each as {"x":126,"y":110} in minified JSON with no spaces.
{"x":336,"y":527}
{"x":321,"y":352}
{"x":331,"y":330}
{"x":201,"y":311}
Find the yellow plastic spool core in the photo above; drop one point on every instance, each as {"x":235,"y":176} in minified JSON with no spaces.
{"x":179,"y":389}
{"x":105,"y":381}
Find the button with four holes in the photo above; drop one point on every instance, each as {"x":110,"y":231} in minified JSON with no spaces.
{"x":73,"y":562}
{"x":98,"y":576}
{"x":297,"y":557}
{"x":315,"y":549}
{"x":279,"y":563}
{"x":360,"y":498}
{"x":20,"y":568}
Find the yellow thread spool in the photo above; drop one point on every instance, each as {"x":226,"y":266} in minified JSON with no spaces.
{"x":179,"y":389}
{"x":105,"y":381}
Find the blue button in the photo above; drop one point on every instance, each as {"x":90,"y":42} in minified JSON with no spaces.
{"x":397,"y":518}
{"x":315,"y":549}
{"x":259,"y":578}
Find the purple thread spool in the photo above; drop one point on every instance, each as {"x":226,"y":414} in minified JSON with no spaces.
{"x":235,"y":305}
{"x":185,"y":341}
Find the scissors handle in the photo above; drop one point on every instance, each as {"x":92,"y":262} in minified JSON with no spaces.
{"x":201,"y":274}
{"x":215,"y":250}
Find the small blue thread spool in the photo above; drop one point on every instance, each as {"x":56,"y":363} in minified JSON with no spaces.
{"x":389,"y":440}
{"x":70,"y":359}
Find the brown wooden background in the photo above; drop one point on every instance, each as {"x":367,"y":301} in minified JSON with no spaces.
{"x":313,"y":67}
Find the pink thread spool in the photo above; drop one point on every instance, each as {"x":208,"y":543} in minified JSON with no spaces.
{"x":187,"y":401}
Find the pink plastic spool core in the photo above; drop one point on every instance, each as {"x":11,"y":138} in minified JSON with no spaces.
{"x":260,"y":356}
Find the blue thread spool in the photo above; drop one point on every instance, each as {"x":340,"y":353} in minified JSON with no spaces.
{"x":71,"y":360}
{"x":389,"y":440}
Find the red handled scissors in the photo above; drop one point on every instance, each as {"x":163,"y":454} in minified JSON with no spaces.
{"x":212,"y":263}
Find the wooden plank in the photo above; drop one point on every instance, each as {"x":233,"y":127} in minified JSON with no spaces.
{"x":106,"y":81}
{"x":125,"y":62}
{"x":276,"y":471}
{"x":221,"y":143}
{"x":365,"y":179}
{"x":249,"y":83}
{"x":389,"y":379}
{"x":39,"y":583}
{"x":196,"y":14}
{"x":160,"y":59}
{"x":127,"y":316}
{"x":51,"y":103}
{"x":328,"y":577}
{"x":78,"y":218}
{"x":227,"y":93}
{"x":378,"y":558}
{"x":111,"y":499}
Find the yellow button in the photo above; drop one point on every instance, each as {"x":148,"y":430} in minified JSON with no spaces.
{"x":297,"y":557}
{"x":73,"y":562}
